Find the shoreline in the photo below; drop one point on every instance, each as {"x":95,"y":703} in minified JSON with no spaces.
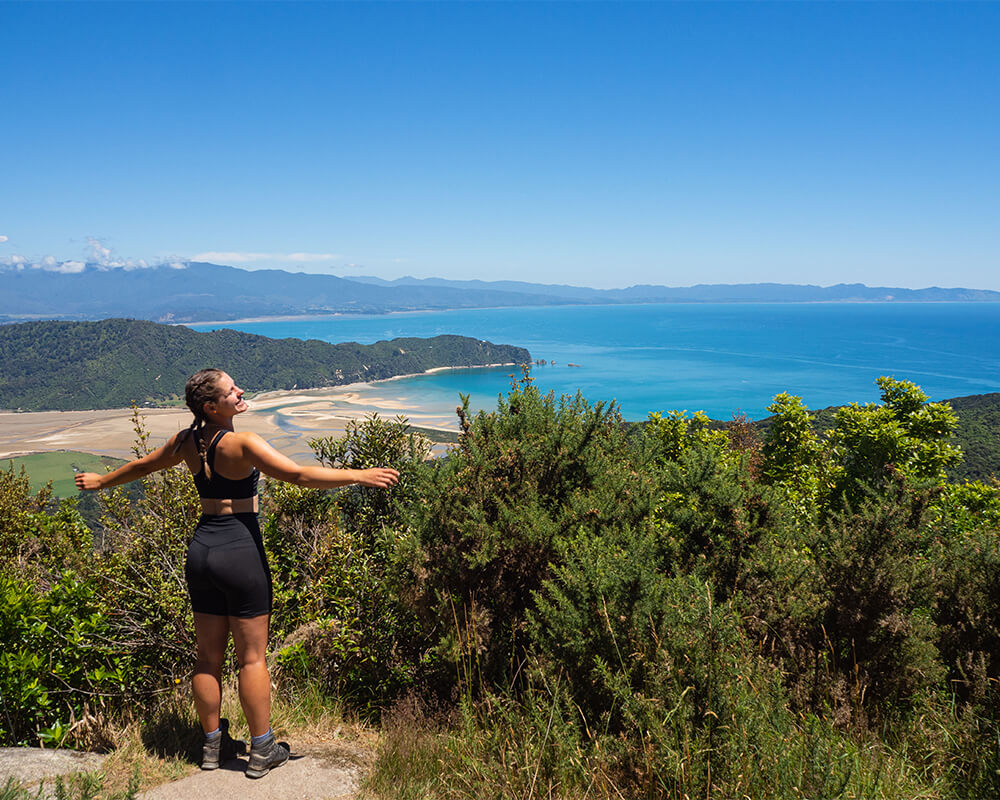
{"x":286,"y":419}
{"x":353,"y":314}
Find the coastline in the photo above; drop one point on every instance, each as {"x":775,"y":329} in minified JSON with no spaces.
{"x":286,"y":419}
{"x":352,"y":314}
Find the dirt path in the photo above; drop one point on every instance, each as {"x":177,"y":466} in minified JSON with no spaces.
{"x":322,"y":771}
{"x":330,"y":772}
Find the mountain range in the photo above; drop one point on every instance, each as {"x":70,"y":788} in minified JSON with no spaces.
{"x":198,"y":292}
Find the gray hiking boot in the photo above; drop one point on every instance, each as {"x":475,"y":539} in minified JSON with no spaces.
{"x":266,"y":756}
{"x":217,"y":751}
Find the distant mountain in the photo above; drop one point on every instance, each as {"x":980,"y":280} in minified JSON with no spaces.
{"x":198,"y":292}
{"x":704,"y":293}
{"x":201,"y":292}
{"x":116,"y":362}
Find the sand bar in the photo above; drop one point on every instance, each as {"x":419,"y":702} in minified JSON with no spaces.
{"x":285,"y":419}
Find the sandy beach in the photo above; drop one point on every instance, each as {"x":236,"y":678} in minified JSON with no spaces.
{"x":285,"y":419}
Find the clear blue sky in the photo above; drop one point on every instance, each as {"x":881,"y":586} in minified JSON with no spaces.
{"x":597,"y":144}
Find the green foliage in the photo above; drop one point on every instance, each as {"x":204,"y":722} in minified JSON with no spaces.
{"x":141,"y":572}
{"x":676,"y":432}
{"x":368,"y":443}
{"x":710,"y":516}
{"x":116,"y":362}
{"x":55,"y":662}
{"x":877,"y":619}
{"x":793,"y":454}
{"x":672,"y":613}
{"x":978,"y":433}
{"x":38,"y":535}
{"x":339,"y":624}
{"x":75,"y":786}
{"x":487,"y":522}
{"x":968,"y":611}
{"x":905,"y":434}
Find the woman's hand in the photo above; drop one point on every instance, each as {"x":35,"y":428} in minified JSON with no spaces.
{"x":87,"y":481}
{"x":378,"y":477}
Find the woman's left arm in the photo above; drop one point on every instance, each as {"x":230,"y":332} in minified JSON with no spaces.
{"x":268,"y":460}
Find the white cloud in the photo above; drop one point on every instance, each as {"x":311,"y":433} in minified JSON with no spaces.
{"x":49,"y":264}
{"x":99,"y":254}
{"x":218,"y":257}
{"x":105,"y":258}
{"x":3,"y":239}
{"x":15,"y":262}
{"x":68,"y":267}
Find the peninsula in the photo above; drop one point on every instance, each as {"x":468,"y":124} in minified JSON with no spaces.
{"x":115,"y":363}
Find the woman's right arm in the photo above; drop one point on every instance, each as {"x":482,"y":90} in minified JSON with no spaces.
{"x":163,"y":457}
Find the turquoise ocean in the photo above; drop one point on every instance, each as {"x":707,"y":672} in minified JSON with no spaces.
{"x":723,"y":359}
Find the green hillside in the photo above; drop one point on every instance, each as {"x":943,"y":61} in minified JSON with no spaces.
{"x":58,"y":467}
{"x":116,"y":362}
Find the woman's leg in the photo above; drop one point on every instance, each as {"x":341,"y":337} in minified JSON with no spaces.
{"x":212,"y":634}
{"x":250,"y":639}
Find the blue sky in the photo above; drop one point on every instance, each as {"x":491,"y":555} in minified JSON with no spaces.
{"x":594,"y":144}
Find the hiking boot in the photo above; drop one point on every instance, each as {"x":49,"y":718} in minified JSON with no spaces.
{"x":266,"y":756}
{"x":217,"y":751}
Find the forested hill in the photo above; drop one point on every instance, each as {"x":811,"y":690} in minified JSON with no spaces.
{"x":113,"y":363}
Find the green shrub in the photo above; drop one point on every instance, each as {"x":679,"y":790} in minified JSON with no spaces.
{"x":374,"y":442}
{"x":337,"y":623}
{"x":487,"y":522}
{"x":39,"y":536}
{"x":139,"y":573}
{"x":55,"y":663}
{"x":711,"y":515}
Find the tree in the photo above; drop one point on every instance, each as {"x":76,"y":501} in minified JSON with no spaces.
{"x":905,"y":434}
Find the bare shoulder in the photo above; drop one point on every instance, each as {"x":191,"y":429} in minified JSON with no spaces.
{"x":247,"y":437}
{"x":181,"y":441}
{"x":248,"y":441}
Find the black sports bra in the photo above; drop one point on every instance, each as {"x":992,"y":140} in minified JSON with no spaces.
{"x":220,"y":488}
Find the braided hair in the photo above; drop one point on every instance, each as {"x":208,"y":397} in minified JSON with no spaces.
{"x":201,"y":388}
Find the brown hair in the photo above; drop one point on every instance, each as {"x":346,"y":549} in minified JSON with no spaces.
{"x":201,"y":388}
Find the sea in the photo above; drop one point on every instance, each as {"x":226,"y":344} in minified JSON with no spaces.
{"x":723,"y":359}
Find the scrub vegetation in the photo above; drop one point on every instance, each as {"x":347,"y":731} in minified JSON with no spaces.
{"x":566,"y":606}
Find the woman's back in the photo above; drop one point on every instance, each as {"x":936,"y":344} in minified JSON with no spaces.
{"x":222,"y":460}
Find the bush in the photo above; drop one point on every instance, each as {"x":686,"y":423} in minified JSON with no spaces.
{"x":337,"y":623}
{"x":56,"y":664}
{"x":487,"y":522}
{"x":140,"y":573}
{"x":39,"y":536}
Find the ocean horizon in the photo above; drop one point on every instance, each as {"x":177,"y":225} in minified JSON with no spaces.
{"x":723,"y":359}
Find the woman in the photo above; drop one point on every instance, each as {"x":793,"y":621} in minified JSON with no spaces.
{"x":227,"y":573}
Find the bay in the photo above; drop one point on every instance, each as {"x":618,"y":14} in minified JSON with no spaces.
{"x":724,"y":359}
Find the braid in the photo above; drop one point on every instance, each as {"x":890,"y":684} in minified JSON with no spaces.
{"x":201,"y":388}
{"x":196,"y":427}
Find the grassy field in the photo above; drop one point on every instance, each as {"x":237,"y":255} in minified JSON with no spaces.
{"x":59,"y":467}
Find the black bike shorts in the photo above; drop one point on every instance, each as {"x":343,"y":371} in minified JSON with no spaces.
{"x":226,"y":571}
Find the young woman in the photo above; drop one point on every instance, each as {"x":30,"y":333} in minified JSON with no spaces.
{"x":227,"y":572}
